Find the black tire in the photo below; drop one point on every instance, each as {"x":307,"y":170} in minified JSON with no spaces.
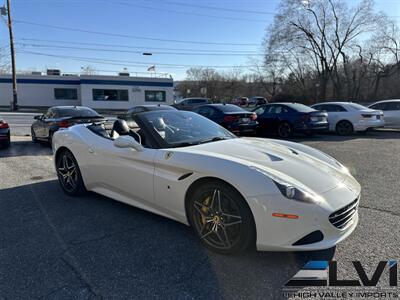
{"x":285,"y":130}
{"x":221,"y":218}
{"x":69,"y":174}
{"x":344,"y":128}
{"x":50,"y":139}
{"x":33,"y":135}
{"x":6,"y":143}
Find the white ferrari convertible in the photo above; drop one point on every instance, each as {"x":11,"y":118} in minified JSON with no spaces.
{"x":234,"y":192}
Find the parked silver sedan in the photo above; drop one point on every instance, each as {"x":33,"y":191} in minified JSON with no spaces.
{"x":391,"y":111}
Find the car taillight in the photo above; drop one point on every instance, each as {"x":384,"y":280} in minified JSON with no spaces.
{"x":3,"y":125}
{"x":64,"y":124}
{"x":366,"y":116}
{"x":253,"y":117}
{"x":231,"y":118}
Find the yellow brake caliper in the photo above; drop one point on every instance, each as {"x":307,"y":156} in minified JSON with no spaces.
{"x":204,"y":209}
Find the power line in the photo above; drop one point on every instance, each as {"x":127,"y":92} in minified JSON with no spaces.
{"x":221,"y":8}
{"x":187,"y":13}
{"x":127,"y":62}
{"x":132,"y":36}
{"x":148,"y":48}
{"x":137,"y":52}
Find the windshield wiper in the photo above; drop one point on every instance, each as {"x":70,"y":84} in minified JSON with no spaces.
{"x":214,"y":139}
{"x":186,"y":144}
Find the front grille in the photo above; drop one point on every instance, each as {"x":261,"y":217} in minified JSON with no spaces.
{"x":343,"y":216}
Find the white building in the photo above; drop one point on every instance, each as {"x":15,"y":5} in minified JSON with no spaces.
{"x":95,"y":91}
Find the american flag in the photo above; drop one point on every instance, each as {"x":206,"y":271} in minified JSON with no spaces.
{"x":151,"y":68}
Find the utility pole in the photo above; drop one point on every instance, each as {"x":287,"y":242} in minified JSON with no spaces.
{"x":14,"y":105}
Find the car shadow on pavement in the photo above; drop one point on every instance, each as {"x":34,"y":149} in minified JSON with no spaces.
{"x":92,"y":246}
{"x":25,"y":148}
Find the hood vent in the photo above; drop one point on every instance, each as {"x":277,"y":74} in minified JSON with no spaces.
{"x":273,"y":157}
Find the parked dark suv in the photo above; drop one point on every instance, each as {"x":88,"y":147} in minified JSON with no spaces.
{"x":190,"y":103}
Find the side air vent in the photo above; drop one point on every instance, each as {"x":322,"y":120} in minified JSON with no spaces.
{"x":313,"y":237}
{"x":185,"y":176}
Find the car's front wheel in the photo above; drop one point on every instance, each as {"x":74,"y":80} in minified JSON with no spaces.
{"x":69,"y":174}
{"x":221,"y":218}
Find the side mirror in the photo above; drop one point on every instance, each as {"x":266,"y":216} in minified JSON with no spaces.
{"x":38,"y":117}
{"x":125,"y":141}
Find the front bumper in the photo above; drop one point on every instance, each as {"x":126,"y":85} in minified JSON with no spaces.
{"x":280,"y":234}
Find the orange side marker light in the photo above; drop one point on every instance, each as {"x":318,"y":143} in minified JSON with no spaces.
{"x":286,"y":216}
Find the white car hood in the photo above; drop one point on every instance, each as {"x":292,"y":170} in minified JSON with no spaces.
{"x":318,"y":175}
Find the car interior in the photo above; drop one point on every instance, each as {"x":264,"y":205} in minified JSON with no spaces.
{"x":119,"y":128}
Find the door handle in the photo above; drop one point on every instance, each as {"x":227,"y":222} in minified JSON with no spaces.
{"x":91,"y":150}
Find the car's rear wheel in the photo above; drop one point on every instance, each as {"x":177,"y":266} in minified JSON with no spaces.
{"x":285,"y":130}
{"x":221,"y":218}
{"x":69,"y":174}
{"x":344,"y":128}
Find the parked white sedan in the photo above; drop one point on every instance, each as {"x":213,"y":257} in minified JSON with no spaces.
{"x":234,"y":192}
{"x":347,"y":117}
{"x":391,"y":111}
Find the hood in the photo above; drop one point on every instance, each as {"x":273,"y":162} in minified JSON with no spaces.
{"x":317,"y":174}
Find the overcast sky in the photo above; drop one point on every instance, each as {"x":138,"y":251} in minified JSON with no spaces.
{"x":111,"y":34}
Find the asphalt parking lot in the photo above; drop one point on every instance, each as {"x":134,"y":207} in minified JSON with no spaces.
{"x":56,"y":247}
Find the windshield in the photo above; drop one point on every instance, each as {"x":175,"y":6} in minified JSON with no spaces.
{"x":181,"y":128}
{"x":78,"y":112}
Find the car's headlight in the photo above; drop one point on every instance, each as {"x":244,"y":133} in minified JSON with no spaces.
{"x":295,"y":193}
{"x":291,"y":191}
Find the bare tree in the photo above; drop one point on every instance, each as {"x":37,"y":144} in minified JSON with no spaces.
{"x":319,"y":36}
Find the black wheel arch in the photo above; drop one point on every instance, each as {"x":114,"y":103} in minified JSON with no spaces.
{"x":59,"y":151}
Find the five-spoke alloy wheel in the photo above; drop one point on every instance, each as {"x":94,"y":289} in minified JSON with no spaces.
{"x":221,"y":218}
{"x":69,"y":174}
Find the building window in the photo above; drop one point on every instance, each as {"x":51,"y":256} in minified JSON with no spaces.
{"x":110,"y":95}
{"x":155,"y":96}
{"x":66,"y":94}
